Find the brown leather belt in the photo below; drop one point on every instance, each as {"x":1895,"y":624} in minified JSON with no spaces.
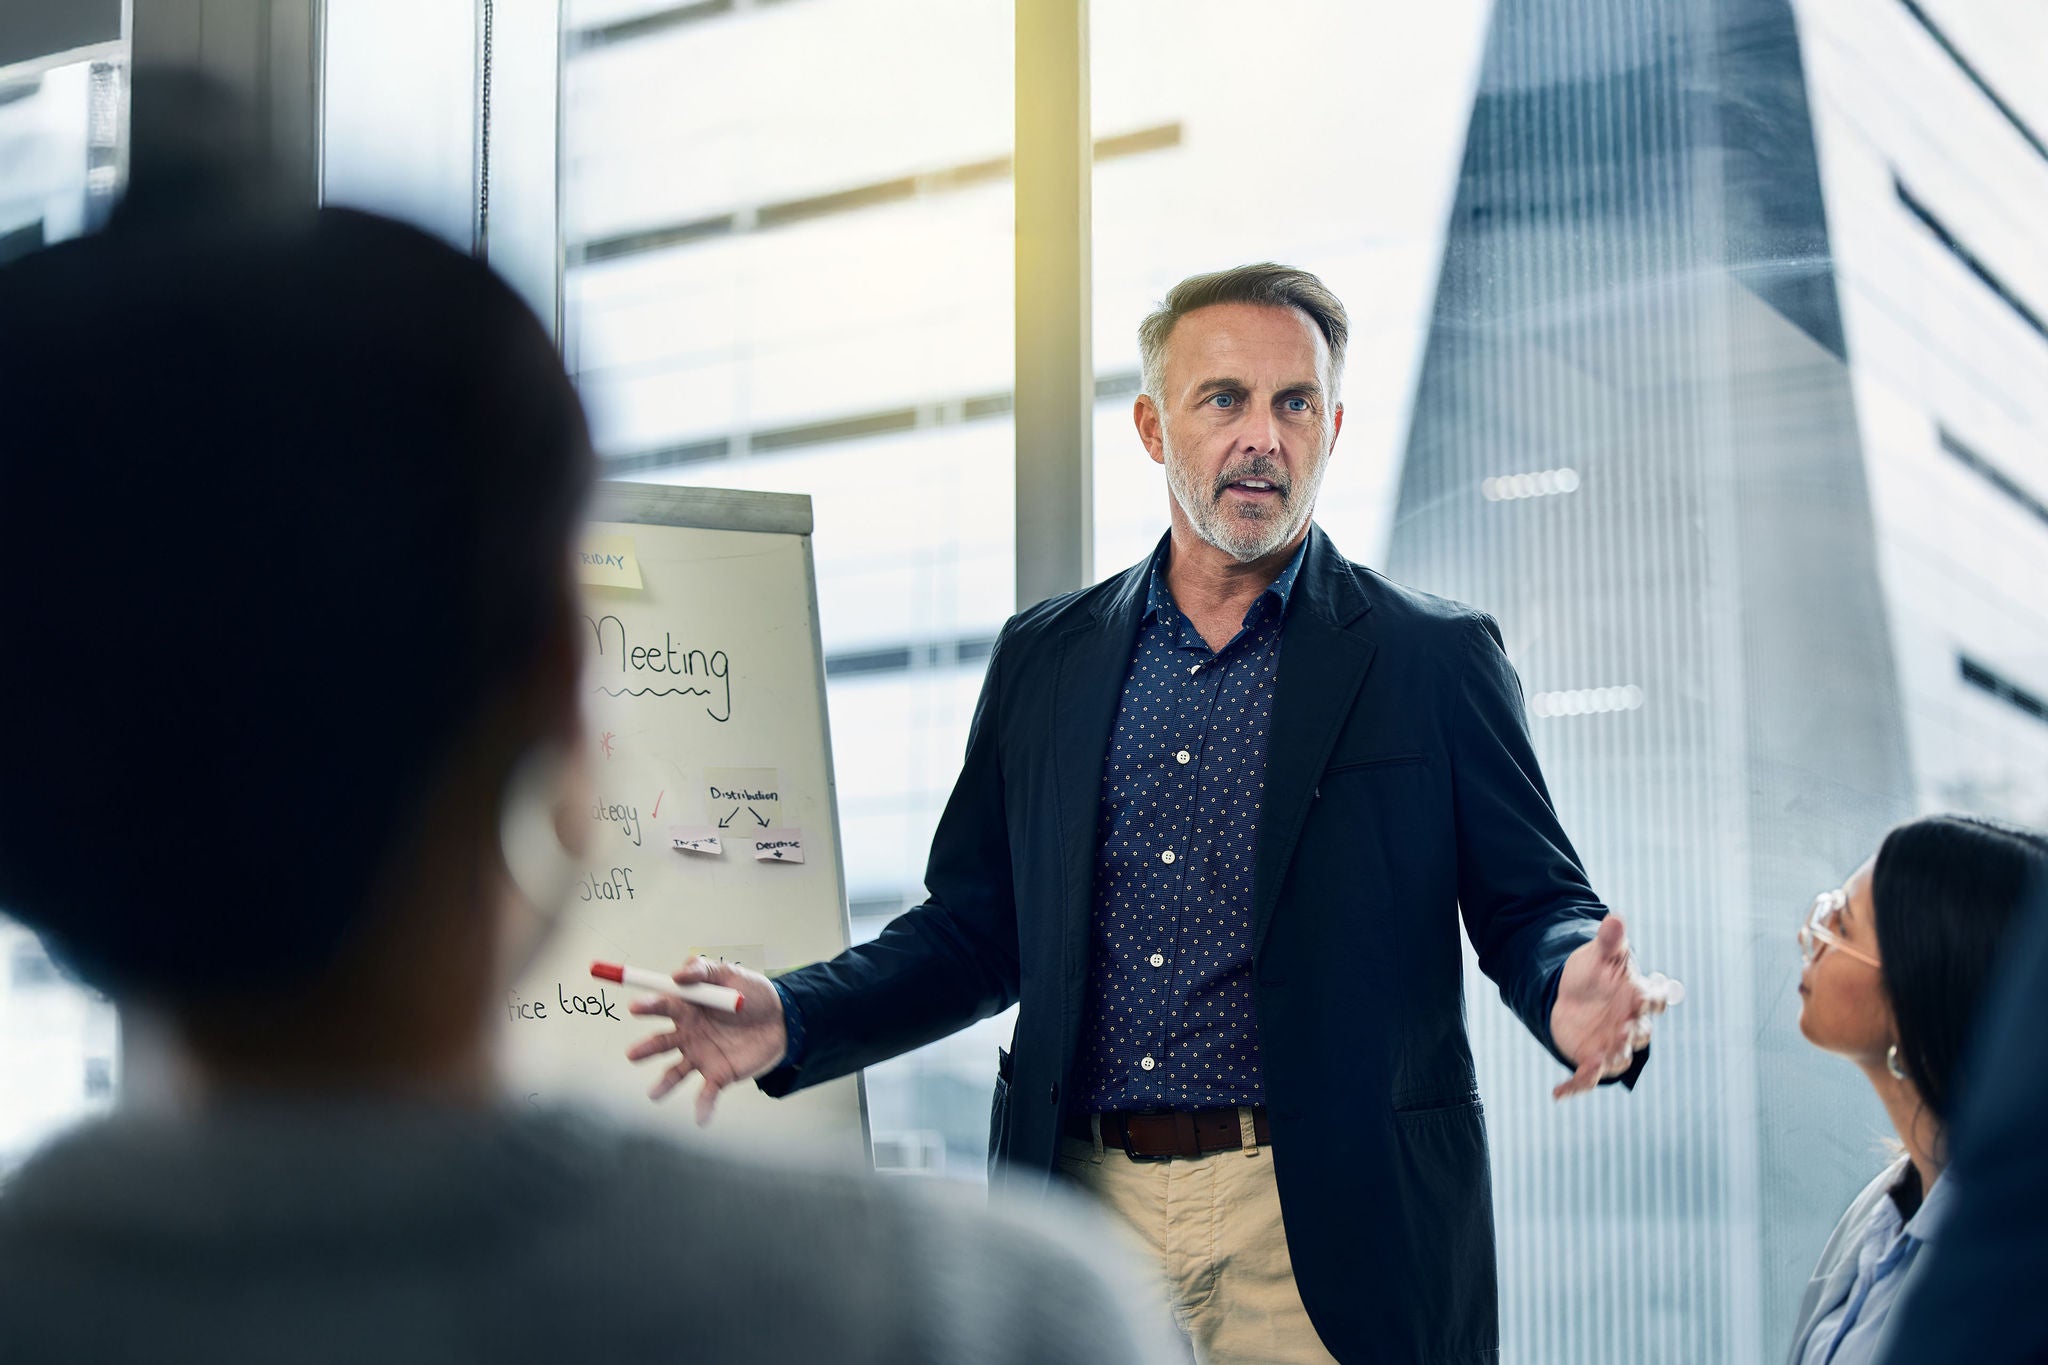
{"x":1185,"y":1133}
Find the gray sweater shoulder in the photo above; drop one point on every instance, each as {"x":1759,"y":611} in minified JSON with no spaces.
{"x":924,"y":1271}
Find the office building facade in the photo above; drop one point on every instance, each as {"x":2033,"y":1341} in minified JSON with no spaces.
{"x":1689,"y":423}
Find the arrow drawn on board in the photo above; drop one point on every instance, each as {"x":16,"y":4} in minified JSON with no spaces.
{"x":726,"y":823}
{"x":757,"y":816}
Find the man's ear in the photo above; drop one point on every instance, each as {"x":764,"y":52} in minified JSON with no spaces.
{"x":1151,"y":427}
{"x":1336,"y":424}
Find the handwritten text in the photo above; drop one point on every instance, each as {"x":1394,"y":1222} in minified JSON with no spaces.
{"x":709,"y":674}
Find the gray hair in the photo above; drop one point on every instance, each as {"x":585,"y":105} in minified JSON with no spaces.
{"x":1276,"y":286}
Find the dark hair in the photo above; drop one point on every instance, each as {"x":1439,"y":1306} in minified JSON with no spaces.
{"x":1946,"y":888}
{"x":197,"y":151}
{"x":1276,"y":286}
{"x":286,"y":502}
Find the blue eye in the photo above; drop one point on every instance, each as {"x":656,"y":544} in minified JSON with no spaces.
{"x":1223,"y":400}
{"x":1297,"y":405}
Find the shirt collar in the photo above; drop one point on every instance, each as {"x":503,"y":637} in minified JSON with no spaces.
{"x":1158,"y":597}
{"x":1925,"y":1224}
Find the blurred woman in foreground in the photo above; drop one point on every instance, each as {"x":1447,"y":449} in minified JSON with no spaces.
{"x":1897,"y":962}
{"x":286,"y":512}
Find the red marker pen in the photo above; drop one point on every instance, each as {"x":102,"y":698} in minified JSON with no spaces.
{"x":697,"y":992}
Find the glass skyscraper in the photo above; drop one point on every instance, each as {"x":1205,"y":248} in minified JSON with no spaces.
{"x":1703,"y":464}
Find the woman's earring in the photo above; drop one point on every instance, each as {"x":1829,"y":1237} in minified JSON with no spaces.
{"x":1891,"y":1062}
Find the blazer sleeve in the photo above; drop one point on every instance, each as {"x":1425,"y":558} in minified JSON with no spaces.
{"x":940,"y":966}
{"x":1524,"y":896}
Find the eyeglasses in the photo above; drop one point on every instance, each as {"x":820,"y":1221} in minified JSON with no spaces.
{"x":1818,"y":933}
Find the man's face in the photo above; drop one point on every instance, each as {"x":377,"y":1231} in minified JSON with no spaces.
{"x":1244,"y":423}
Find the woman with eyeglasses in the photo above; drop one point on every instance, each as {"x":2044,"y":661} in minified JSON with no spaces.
{"x":1897,"y":962}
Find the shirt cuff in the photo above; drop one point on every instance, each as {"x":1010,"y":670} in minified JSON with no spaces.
{"x":793,"y":1025}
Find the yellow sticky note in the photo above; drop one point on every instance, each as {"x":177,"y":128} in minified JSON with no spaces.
{"x":608,"y":561}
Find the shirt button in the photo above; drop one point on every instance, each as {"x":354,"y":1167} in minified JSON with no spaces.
{"x":1147,"y":1063}
{"x":1183,"y":756}
{"x":1158,"y":959}
{"x":1167,"y":856}
{"x":1196,"y":669}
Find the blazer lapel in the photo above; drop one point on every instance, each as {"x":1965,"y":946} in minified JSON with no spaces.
{"x":1322,"y":665}
{"x":1094,"y":655}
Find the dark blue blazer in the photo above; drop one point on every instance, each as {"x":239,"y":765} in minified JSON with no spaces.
{"x":1400,"y":790}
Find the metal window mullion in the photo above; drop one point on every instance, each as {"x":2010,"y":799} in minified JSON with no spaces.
{"x":1055,"y":387}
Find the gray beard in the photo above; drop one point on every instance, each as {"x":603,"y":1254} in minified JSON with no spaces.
{"x":1243,"y":538}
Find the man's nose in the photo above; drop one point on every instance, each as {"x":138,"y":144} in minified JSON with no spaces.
{"x":1261,"y":434}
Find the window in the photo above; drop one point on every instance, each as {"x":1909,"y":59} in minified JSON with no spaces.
{"x":2011,"y":693}
{"x":63,"y":138}
{"x":1969,"y":258}
{"x":1643,"y":354}
{"x":1976,"y":78}
{"x":32,"y":966}
{"x":786,"y":273}
{"x":1993,"y":475}
{"x":51,"y":1034}
{"x":1568,"y":402}
{"x":1573,"y":403}
{"x":62,"y":120}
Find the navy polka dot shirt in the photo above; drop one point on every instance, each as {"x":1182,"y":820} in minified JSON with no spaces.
{"x":1171,"y":1022}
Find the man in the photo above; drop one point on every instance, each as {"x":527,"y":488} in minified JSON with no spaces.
{"x":1216,"y":823}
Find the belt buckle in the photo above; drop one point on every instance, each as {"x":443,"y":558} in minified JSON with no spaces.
{"x":1133,"y":1153}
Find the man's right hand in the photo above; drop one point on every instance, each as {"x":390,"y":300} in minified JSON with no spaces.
{"x":723,"y":1048}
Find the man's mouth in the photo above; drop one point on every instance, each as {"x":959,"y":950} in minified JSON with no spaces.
{"x":1253,"y":488}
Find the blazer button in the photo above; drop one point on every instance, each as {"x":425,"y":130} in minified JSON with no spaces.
{"x":1053,"y":1095}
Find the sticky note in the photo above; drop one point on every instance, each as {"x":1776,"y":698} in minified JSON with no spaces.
{"x":608,"y":562}
{"x":744,"y":802}
{"x":695,"y":839}
{"x":779,"y":846}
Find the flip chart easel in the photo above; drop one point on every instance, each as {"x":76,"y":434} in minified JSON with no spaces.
{"x":717,"y":829}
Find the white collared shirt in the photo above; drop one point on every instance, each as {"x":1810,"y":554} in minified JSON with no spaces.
{"x":1850,"y":1331}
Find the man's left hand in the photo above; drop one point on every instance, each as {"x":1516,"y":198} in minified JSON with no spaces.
{"x":1604,"y":1008}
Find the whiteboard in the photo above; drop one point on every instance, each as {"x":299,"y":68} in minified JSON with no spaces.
{"x":705,"y":706}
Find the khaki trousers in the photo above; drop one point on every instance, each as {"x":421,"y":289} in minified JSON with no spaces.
{"x":1213,"y":1225}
